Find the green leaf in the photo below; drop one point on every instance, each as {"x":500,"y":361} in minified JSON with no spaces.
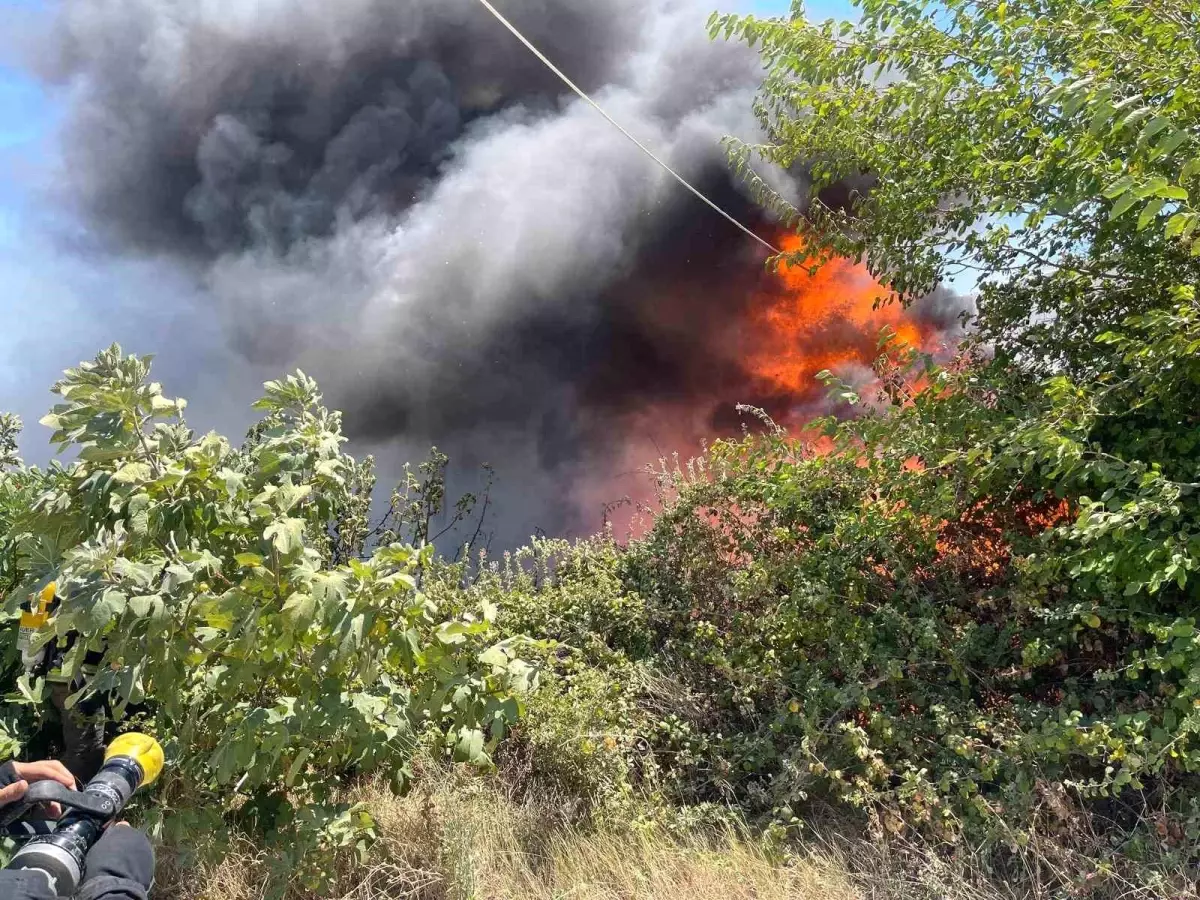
{"x":297,"y":765}
{"x":137,"y":513}
{"x":176,"y":576}
{"x":469,"y":746}
{"x":248,"y":560}
{"x":145,"y":605}
{"x":1123,"y":205}
{"x":1169,"y":144}
{"x":1153,"y":127}
{"x":1118,"y":187}
{"x":160,"y":404}
{"x":287,"y":535}
{"x":288,"y":495}
{"x":1192,"y":221}
{"x":452,"y":633}
{"x":330,"y":588}
{"x":1132,"y":117}
{"x":1149,"y":212}
{"x":1171,"y":192}
{"x":494,"y":656}
{"x":1100,"y":118}
{"x":300,"y":607}
{"x":133,"y":473}
{"x":1151,"y":188}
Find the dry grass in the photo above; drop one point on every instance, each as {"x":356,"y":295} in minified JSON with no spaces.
{"x":469,"y":842}
{"x":464,"y":838}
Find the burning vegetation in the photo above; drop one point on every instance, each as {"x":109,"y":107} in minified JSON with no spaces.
{"x":742,"y":334}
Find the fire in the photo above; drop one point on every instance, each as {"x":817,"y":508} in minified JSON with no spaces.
{"x":978,"y":545}
{"x":803,"y":323}
{"x":784,"y":328}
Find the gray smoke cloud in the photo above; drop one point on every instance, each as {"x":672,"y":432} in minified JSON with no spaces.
{"x":225,"y":124}
{"x":398,"y":197}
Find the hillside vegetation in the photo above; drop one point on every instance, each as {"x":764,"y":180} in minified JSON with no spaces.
{"x":953,"y":653}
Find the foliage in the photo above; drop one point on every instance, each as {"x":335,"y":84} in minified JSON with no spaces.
{"x":584,"y":737}
{"x":957,"y":635}
{"x":18,"y":488}
{"x":974,"y":614}
{"x":1047,"y":148}
{"x":203,"y":573}
{"x":980,"y":608}
{"x":415,"y":507}
{"x":10,"y":429}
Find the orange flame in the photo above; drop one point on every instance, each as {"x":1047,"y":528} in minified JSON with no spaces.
{"x":827,"y":319}
{"x":797,"y":324}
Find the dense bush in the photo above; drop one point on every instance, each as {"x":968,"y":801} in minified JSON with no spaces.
{"x":957,"y":618}
{"x":204,"y":574}
{"x":983,"y":603}
{"x":18,"y":490}
{"x":966,"y":636}
{"x":584,"y":736}
{"x":945,"y":637}
{"x":978,"y":611}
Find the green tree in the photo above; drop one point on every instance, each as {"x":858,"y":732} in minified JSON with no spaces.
{"x":1048,"y":148}
{"x":16,"y":492}
{"x":204,"y":573}
{"x":19,"y":487}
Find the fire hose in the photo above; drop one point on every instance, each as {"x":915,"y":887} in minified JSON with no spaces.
{"x":131,"y":761}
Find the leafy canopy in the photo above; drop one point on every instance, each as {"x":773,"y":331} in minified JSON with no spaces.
{"x":981,"y":605}
{"x":1046,"y":148}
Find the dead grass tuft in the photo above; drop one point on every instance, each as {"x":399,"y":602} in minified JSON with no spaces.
{"x":463,"y":839}
{"x":460,"y":837}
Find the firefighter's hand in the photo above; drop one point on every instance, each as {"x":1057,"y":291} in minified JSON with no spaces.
{"x":17,"y":776}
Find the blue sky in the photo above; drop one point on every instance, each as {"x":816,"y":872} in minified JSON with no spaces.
{"x":60,"y":303}
{"x":56,"y":306}
{"x":27,"y":119}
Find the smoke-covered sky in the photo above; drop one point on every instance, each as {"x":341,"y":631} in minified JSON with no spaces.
{"x":398,"y":198}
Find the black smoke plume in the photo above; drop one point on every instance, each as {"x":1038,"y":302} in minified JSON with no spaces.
{"x":398,"y":197}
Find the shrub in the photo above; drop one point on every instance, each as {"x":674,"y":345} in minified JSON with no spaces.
{"x":585,"y":737}
{"x":202,"y":572}
{"x":965,"y":636}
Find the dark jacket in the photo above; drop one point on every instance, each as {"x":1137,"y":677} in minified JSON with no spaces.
{"x":32,"y":885}
{"x":119,"y":867}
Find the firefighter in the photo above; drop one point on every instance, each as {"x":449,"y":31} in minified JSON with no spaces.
{"x":82,"y":724}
